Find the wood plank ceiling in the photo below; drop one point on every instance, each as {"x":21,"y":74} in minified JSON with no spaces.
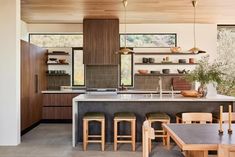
{"x":138,"y":11}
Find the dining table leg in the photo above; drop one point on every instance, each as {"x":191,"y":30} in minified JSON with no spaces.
{"x":196,"y":153}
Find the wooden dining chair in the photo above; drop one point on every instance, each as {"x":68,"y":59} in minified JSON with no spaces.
{"x":147,"y":133}
{"x":202,"y":118}
{"x":225,"y":117}
{"x":226,"y":150}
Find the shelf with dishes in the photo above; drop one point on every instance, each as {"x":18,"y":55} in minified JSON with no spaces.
{"x":164,"y":71}
{"x":57,"y":73}
{"x":165,"y":53}
{"x":160,"y":74}
{"x":58,"y":53}
{"x":166,"y":63}
{"x":57,"y":61}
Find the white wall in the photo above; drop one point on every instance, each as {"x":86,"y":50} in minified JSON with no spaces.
{"x":24,"y":35}
{"x":10,"y":72}
{"x":206,"y":35}
{"x":55,"y":28}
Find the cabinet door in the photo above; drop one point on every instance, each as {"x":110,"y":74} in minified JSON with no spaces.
{"x":101,"y":41}
{"x":25,"y":86}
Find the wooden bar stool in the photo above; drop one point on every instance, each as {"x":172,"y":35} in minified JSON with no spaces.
{"x":178,"y":117}
{"x":122,"y":117}
{"x":159,"y":117}
{"x":89,"y":117}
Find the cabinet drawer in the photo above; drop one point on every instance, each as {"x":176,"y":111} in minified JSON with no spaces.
{"x":57,"y":113}
{"x":58,"y":99}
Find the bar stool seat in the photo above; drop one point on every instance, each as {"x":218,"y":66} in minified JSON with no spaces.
{"x":159,"y":117}
{"x":127,"y":117}
{"x":94,"y":115}
{"x":124,"y":115}
{"x":89,"y":117}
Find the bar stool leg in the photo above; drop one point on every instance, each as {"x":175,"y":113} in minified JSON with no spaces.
{"x":177,"y":120}
{"x":85,"y":134}
{"x":115,"y":135}
{"x":133,"y":136}
{"x":102,"y":135}
{"x":164,"y":138}
{"x":150,"y":141}
{"x":168,"y":138}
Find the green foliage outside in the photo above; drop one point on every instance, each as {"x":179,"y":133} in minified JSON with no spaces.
{"x":57,"y":40}
{"x":149,"y":40}
{"x":126,"y":70}
{"x":226,"y":55}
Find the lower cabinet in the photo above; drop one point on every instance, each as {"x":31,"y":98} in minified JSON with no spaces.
{"x":57,"y":113}
{"x":57,"y":106}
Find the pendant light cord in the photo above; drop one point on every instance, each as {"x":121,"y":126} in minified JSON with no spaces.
{"x":125,"y":5}
{"x":194,"y":26}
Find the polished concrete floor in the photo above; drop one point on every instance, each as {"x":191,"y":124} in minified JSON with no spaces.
{"x":54,"y":140}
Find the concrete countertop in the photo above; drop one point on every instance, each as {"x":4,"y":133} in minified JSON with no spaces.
{"x":148,"y":97}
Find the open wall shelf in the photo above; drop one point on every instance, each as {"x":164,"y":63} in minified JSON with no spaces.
{"x":149,"y":74}
{"x":164,"y":53}
{"x":166,"y":63}
{"x":57,"y":63}
{"x":58,"y":54}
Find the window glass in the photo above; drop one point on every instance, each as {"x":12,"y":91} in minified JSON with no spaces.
{"x":126,"y":72}
{"x":226,"y":55}
{"x":149,"y":40}
{"x":57,"y":40}
{"x":78,"y":68}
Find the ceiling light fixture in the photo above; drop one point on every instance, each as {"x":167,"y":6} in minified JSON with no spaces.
{"x":125,"y":50}
{"x":195,"y":49}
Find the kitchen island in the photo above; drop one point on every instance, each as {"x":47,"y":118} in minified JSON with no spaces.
{"x":140,"y":104}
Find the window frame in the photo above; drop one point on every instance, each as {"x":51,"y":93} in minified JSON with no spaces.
{"x":175,"y":34}
{"x":82,"y":86}
{"x":132,"y":70}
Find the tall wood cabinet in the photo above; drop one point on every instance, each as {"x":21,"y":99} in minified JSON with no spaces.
{"x":33,"y":81}
{"x":101,"y":41}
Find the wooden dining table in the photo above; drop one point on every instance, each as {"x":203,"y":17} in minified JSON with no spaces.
{"x":197,"y":139}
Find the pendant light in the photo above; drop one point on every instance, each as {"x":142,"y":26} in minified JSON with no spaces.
{"x":195,"y":49}
{"x":125,"y":50}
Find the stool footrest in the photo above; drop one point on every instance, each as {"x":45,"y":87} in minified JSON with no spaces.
{"x":122,"y":136}
{"x":159,"y":131}
{"x":94,"y":136}
{"x":160,"y":135}
{"x":124,"y":141}
{"x":94,"y":141}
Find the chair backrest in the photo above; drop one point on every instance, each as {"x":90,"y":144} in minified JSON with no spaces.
{"x":225,"y":117}
{"x":147,"y":133}
{"x":226,"y":150}
{"x":202,"y":118}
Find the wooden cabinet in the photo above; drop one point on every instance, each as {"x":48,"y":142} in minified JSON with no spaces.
{"x":57,"y":106}
{"x":33,"y":81}
{"x":101,"y":41}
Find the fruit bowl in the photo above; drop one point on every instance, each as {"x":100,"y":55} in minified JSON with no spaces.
{"x":143,"y":72}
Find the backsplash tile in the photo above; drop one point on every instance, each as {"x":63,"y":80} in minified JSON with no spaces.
{"x":102,"y":76}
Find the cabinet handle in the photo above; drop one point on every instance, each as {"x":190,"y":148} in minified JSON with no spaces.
{"x":36,"y":83}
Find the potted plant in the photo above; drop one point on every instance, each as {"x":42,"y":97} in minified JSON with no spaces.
{"x":205,"y":73}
